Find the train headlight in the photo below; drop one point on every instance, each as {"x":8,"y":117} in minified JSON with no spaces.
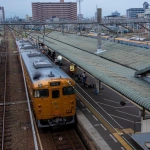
{"x":69,"y":111}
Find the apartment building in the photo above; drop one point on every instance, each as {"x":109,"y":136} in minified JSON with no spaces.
{"x":47,"y":10}
{"x":2,"y":14}
{"x":133,"y":12}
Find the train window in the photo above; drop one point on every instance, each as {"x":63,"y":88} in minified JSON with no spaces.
{"x":68,"y":90}
{"x":41,"y":93}
{"x":55,"y":94}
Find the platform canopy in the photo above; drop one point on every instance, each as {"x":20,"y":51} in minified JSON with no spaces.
{"x":115,"y":67}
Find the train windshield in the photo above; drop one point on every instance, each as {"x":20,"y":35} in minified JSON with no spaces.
{"x":41,"y":93}
{"x":68,"y":90}
{"x":55,"y":94}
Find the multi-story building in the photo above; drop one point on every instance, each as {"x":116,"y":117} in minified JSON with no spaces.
{"x":2,"y":14}
{"x":145,"y":5}
{"x":133,"y":12}
{"x":62,"y":10}
{"x":147,"y":13}
{"x":115,"y":13}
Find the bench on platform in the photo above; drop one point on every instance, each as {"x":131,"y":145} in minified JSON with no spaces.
{"x":89,"y":84}
{"x":74,"y":74}
{"x":79,"y":76}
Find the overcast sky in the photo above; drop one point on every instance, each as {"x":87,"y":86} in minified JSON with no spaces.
{"x":88,"y":7}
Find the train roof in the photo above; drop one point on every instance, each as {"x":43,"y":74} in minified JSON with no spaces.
{"x":24,"y":44}
{"x":39,"y":66}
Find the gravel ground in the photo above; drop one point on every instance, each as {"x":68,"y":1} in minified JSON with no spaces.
{"x":21,"y":133}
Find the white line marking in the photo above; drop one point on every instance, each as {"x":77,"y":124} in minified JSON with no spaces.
{"x":111,"y":101}
{"x":127,"y":113}
{"x":103,"y":127}
{"x":82,"y":104}
{"x":77,"y":98}
{"x":125,"y":107}
{"x":124,"y":119}
{"x":95,"y":118}
{"x":99,"y":107}
{"x":96,"y":125}
{"x":113,"y":138}
{"x":106,"y":104}
{"x":88,"y":110}
{"x":105,"y":111}
{"x":114,"y":101}
{"x":114,"y":106}
{"x":124,"y":97}
{"x":122,"y":148}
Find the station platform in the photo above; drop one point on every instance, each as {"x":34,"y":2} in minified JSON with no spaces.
{"x":89,"y":134}
{"x":99,"y":115}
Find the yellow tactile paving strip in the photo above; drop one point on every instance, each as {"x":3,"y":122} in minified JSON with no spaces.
{"x":128,"y":130}
{"x":122,"y":141}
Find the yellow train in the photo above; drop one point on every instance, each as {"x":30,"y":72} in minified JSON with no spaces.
{"x":137,"y":43}
{"x":142,"y":44}
{"x":51,"y":90}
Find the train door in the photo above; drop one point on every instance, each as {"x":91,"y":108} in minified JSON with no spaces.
{"x":56,"y":102}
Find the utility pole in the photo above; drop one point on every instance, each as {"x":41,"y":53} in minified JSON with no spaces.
{"x":38,"y":43}
{"x":99,"y":44}
{"x":62,"y":29}
{"x":99,"y":28}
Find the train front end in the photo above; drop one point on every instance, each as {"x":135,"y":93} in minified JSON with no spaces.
{"x":54,"y":102}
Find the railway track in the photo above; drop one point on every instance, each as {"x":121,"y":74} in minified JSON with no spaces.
{"x":61,"y":138}
{"x":5,"y":117}
{"x":66,"y":139}
{"x":15,"y":126}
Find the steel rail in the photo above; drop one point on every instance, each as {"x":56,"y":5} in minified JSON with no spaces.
{"x":4,"y":107}
{"x":28,"y":101}
{"x":65,"y":135}
{"x":37,"y":133}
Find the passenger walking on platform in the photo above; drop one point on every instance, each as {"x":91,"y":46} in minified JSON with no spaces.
{"x":53,"y":56}
{"x":49,"y":53}
{"x":56,"y":61}
{"x":84,"y":77}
